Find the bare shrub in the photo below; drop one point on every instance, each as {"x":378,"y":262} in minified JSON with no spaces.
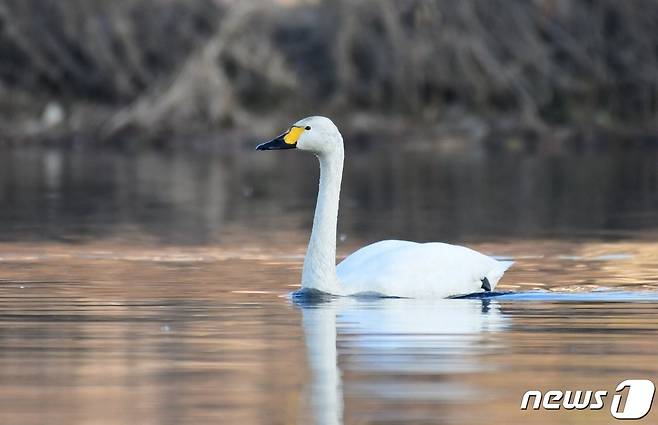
{"x":172,"y":66}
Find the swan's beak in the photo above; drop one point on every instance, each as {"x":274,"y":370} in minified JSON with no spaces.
{"x":274,"y":144}
{"x":287,"y":140}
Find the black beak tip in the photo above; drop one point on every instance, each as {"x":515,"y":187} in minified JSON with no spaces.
{"x":276,"y":144}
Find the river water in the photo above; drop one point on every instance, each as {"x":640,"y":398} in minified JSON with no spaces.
{"x":153,"y":288}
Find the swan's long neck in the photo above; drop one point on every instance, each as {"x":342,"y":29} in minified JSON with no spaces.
{"x":320,"y":263}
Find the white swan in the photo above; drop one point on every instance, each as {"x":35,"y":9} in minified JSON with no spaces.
{"x":388,"y":268}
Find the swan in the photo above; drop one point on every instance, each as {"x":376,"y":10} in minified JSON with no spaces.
{"x":390,"y":268}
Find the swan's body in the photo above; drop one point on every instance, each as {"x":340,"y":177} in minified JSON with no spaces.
{"x":387,"y":268}
{"x":418,"y":270}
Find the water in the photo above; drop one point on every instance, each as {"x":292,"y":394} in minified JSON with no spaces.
{"x":149,"y":287}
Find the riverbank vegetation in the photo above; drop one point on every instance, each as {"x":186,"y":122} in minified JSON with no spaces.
{"x":158,"y":70}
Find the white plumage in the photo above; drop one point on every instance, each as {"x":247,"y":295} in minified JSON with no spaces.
{"x":417,"y":270}
{"x":388,"y":268}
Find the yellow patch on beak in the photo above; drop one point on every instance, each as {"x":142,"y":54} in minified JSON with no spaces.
{"x":292,"y":135}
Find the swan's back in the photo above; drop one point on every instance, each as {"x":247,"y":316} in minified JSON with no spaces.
{"x":417,"y":270}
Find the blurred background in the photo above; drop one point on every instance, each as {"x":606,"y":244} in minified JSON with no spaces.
{"x":477,"y":118}
{"x":164,"y":71}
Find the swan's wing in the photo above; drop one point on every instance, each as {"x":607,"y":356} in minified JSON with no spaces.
{"x":371,"y":252}
{"x":414,"y":270}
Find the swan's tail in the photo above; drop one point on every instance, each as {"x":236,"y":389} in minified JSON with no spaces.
{"x":497,"y":272}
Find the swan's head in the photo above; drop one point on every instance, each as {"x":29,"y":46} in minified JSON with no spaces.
{"x":314,"y":134}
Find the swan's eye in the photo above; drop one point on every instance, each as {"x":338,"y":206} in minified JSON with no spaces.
{"x":308,"y":127}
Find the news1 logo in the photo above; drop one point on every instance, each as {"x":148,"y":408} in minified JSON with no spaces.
{"x":637,"y":403}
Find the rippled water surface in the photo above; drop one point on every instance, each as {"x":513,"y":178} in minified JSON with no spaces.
{"x":152,"y":288}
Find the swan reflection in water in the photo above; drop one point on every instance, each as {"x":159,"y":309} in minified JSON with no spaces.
{"x":393,"y":337}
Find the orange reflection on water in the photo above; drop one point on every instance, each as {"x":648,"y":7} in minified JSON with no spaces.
{"x":115,"y":333}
